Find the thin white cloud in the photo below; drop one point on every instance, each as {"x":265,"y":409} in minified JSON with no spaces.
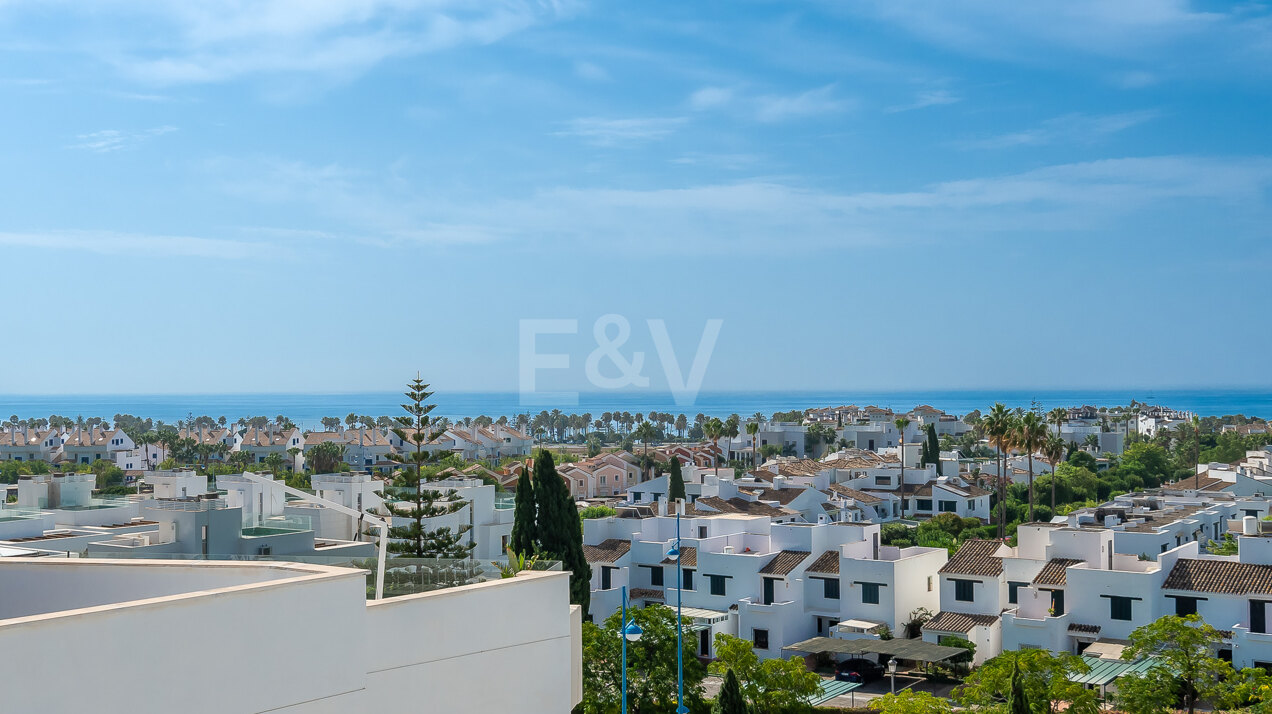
{"x":614,"y":132}
{"x":117,"y":243}
{"x":215,"y":40}
{"x":590,"y":71}
{"x":812,"y":103}
{"x":1070,"y":128}
{"x":710,"y":98}
{"x":930,"y":98}
{"x":108,"y":140}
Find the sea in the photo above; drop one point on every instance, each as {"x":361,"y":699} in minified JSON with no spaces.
{"x":307,"y":409}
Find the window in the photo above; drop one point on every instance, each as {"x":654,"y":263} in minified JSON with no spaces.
{"x":1012,"y":587}
{"x":963,"y":590}
{"x":687,"y":580}
{"x":923,"y":504}
{"x":702,"y":531}
{"x":1119,"y":608}
{"x":870,"y":593}
{"x":606,"y":573}
{"x":947,"y":506}
{"x":830,"y":589}
{"x":929,"y":583}
{"x":1185,"y":606}
{"x":717,"y":584}
{"x":759,"y":638}
{"x":883,"y":480}
{"x":971,"y":504}
{"x":1258,"y":617}
{"x":656,"y":577}
{"x":1057,"y":602}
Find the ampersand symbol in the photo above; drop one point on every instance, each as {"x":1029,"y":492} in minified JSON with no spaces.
{"x":629,"y":372}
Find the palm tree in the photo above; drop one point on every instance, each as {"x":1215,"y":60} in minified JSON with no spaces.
{"x":1057,"y":417}
{"x":753,"y":428}
{"x":1054,"y":451}
{"x":645,"y":432}
{"x":997,"y":427}
{"x":901,"y":423}
{"x":1031,"y":435}
{"x":713,"y":430}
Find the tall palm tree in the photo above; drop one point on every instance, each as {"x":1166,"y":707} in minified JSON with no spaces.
{"x":1031,"y":435}
{"x":645,"y":432}
{"x":713,"y":430}
{"x":997,"y":428}
{"x":1058,"y":416}
{"x":901,"y":423}
{"x":753,"y":428}
{"x":1054,"y":451}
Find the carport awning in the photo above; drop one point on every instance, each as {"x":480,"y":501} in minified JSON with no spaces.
{"x":1104,"y":671}
{"x":916,"y":650}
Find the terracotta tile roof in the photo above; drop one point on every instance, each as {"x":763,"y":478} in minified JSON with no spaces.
{"x":958,"y":622}
{"x":785,"y":562}
{"x":262,"y":437}
{"x":975,"y":557}
{"x":827,"y":562}
{"x":608,"y":551}
{"x":1219,"y":576}
{"x":781,"y":495}
{"x":1200,"y":482}
{"x":860,"y":459}
{"x":1053,"y":573}
{"x":1085,"y":629}
{"x":688,"y":557}
{"x":854,"y":494}
{"x":739,"y":505}
{"x":646,"y":593}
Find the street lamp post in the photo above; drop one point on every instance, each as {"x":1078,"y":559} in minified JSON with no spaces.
{"x":892,"y":672}
{"x":674,"y":555}
{"x":630,"y":632}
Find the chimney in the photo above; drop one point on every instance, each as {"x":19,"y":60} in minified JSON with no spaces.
{"x":662,"y":505}
{"x":1250,"y":526}
{"x":680,"y":506}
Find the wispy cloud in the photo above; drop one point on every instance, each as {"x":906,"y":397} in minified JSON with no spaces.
{"x":1070,"y":128}
{"x":178,"y":43}
{"x":814,"y":102}
{"x":116,"y":243}
{"x":930,"y":98}
{"x":614,"y":132}
{"x":590,"y":71}
{"x":108,"y":140}
{"x":710,"y":98}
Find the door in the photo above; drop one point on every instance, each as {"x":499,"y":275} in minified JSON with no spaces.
{"x":768,"y":590}
{"x":704,"y":643}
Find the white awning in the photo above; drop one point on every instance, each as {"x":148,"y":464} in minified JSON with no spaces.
{"x":1104,"y":650}
{"x":858,"y":624}
{"x":698,"y":613}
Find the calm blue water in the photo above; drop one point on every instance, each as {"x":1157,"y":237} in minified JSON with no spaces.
{"x":306,"y":409}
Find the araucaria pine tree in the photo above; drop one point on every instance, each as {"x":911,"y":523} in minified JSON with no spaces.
{"x":558,"y":532}
{"x":675,"y":482}
{"x":412,"y":499}
{"x":523,"y":517}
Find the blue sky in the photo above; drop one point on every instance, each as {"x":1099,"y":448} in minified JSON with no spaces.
{"x":298,"y":195}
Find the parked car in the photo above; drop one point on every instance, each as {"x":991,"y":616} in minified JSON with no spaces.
{"x":858,"y":670}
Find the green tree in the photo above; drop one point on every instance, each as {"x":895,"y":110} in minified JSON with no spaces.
{"x":274,"y":462}
{"x":1043,"y":678}
{"x":1183,"y":647}
{"x":557,"y":527}
{"x":325,"y":457}
{"x":932,"y":449}
{"x":730,"y":700}
{"x":675,"y":482}
{"x":1017,"y":699}
{"x":752,"y":429}
{"x":713,"y":430}
{"x":1054,"y":451}
{"x":651,"y":664}
{"x":523,"y":538}
{"x":411,"y":499}
{"x":1031,"y":435}
{"x":901,"y":423}
{"x":596,"y":512}
{"x":911,"y":702}
{"x":769,"y":685}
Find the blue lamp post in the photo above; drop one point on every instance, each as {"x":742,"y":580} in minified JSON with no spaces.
{"x":630,"y":631}
{"x":674,"y":556}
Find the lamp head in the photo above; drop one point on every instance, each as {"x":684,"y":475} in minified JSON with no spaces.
{"x":674,"y":554}
{"x":892,"y":666}
{"x":633,"y":632}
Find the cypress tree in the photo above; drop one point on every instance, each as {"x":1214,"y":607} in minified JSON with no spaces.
{"x":933,"y":447}
{"x":730,"y":700}
{"x":1017,"y":702}
{"x":523,"y":520}
{"x":675,"y":482}
{"x":557,"y":521}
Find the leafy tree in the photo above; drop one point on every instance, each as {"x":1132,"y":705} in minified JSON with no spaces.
{"x":961,"y":642}
{"x":769,"y":685}
{"x":730,"y":700}
{"x":596,"y":512}
{"x":412,"y":500}
{"x":1151,"y":692}
{"x":911,"y":702}
{"x":523,"y":538}
{"x":325,"y":457}
{"x":1184,"y":647}
{"x":651,"y":664}
{"x":1150,"y":462}
{"x":557,"y":527}
{"x":1041,"y":676}
{"x":675,"y":482}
